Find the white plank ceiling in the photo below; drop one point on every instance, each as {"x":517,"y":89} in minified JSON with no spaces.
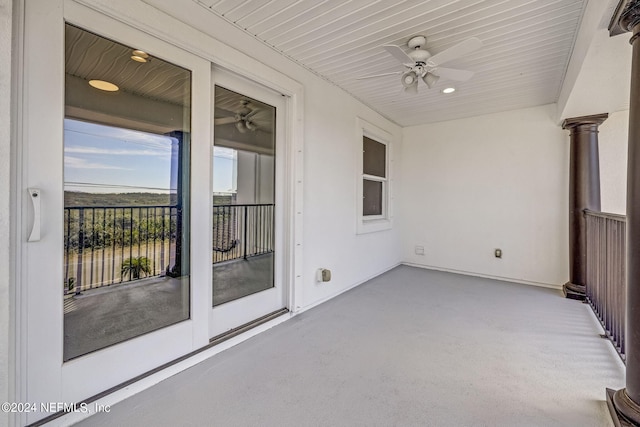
{"x":527,"y":46}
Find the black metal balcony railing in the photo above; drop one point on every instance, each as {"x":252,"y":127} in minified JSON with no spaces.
{"x":241,"y":231}
{"x":110,"y":245}
{"x":606,"y":280}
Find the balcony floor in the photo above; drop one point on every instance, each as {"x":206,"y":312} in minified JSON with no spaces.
{"x":111,"y":314}
{"x":411,"y":347}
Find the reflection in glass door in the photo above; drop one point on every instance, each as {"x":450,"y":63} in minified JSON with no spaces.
{"x":126,"y":171}
{"x":244,"y":198}
{"x":248,"y":194}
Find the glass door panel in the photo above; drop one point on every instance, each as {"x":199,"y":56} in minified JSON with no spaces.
{"x":108,"y":287}
{"x":248,"y":132}
{"x":126,"y":192}
{"x":243,"y":196}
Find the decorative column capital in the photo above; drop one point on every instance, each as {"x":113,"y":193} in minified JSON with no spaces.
{"x":625,"y":18}
{"x":595,"y":120}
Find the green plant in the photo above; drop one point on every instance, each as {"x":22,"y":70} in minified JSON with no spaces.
{"x":70,"y":283}
{"x":136,"y":267}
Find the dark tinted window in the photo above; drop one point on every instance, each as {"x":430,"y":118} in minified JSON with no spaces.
{"x":372,"y":197}
{"x":374,"y":158}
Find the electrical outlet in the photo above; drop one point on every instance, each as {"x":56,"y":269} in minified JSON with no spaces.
{"x":323,"y":275}
{"x":419,"y":250}
{"x":498,"y":253}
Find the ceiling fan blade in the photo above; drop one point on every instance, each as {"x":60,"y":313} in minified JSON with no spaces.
{"x":461,"y":49}
{"x":224,"y":120}
{"x":251,"y":114}
{"x":454,"y":74}
{"x":398,"y":53}
{"x":380,"y":75}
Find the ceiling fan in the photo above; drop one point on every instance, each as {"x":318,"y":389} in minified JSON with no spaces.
{"x":242,"y":118}
{"x":421,"y":65}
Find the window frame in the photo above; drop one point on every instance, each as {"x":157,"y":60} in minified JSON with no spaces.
{"x":373,"y":223}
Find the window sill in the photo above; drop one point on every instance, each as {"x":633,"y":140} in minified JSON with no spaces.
{"x":373,"y":225}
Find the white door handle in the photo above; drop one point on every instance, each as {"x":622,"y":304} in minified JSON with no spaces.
{"x":34,"y":193}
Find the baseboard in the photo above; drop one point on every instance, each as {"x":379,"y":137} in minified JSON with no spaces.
{"x":348,"y":288}
{"x":485,"y":276}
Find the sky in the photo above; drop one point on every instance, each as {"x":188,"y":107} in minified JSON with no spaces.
{"x":105,"y":159}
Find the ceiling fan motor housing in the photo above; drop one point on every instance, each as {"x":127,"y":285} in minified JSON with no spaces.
{"x":419,"y":55}
{"x":417,"y":42}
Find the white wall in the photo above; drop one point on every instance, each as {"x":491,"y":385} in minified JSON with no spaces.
{"x":330,"y":195}
{"x":246,"y":183}
{"x":5,"y":250}
{"x":596,"y":76}
{"x":493,"y":181}
{"x":613,"y":142}
{"x":266,"y":169}
{"x":255,"y":178}
{"x":604,"y":80}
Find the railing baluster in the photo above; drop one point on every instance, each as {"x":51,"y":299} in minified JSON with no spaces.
{"x":113,"y":248}
{"x":102,"y":245}
{"x":216,"y":214}
{"x":606,"y":280}
{"x":67,"y":214}
{"x":139,"y":232}
{"x":79,"y":283}
{"x":162,"y":242}
{"x":155,"y":233}
{"x":93,"y":245}
{"x":246,"y":223}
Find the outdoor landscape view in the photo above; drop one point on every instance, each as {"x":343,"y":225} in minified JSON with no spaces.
{"x":122,"y":210}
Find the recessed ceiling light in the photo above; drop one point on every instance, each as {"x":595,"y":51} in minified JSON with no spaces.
{"x":138,"y":58}
{"x":102,"y":85}
{"x":449,"y":90}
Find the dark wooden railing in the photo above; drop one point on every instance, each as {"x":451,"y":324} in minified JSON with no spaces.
{"x":606,"y":260}
{"x":105,"y":245}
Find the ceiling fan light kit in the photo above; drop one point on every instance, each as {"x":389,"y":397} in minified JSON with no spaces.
{"x":409,"y":78}
{"x":423,"y":66}
{"x":430,"y":79}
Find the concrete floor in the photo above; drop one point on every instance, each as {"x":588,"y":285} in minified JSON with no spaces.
{"x":109,"y":315}
{"x":411,"y":347}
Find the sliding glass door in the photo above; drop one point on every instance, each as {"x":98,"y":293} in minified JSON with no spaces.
{"x":247,"y":250}
{"x":152,"y":216}
{"x":115,"y":130}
